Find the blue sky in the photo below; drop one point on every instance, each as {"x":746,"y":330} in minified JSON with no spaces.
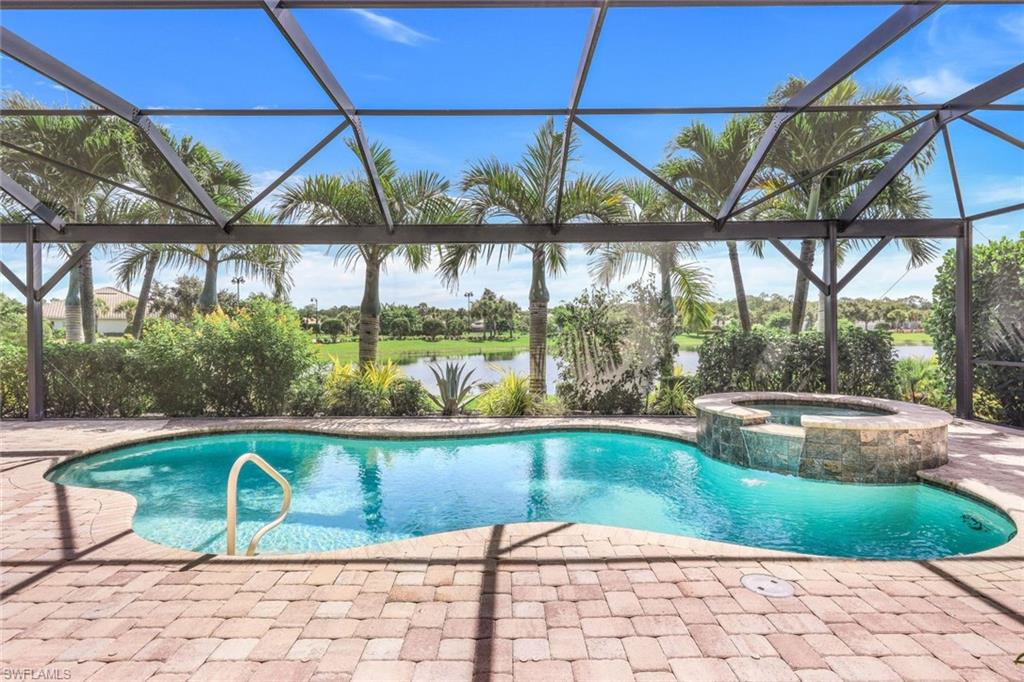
{"x":527,"y":58}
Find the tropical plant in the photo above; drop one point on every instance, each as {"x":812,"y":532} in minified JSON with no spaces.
{"x":454,"y":386}
{"x":372,"y":390}
{"x":224,"y":181}
{"x":527,"y":192}
{"x":608,"y":349}
{"x":510,"y":396}
{"x":675,"y":394}
{"x":685,"y":286}
{"x":997,"y":308}
{"x":421,"y":197}
{"x":920,"y":381}
{"x":813,"y":140}
{"x":102,"y":147}
{"x":706,"y":166}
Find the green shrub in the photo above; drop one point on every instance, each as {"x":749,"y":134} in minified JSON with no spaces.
{"x":94,"y":380}
{"x":248,"y":362}
{"x":510,"y":396}
{"x":376,"y":391}
{"x":767,"y":360}
{"x":674,"y":395}
{"x":407,"y":398}
{"x":997,"y":291}
{"x":13,"y":380}
{"x":306,"y":397}
{"x":920,"y":381}
{"x":168,"y":361}
{"x":608,"y":350}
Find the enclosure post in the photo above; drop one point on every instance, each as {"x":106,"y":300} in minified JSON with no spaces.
{"x":964,"y":349}
{"x":831,"y":311}
{"x":34,"y":320}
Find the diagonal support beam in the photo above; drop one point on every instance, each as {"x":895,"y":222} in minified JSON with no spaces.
{"x":887,"y":32}
{"x":800,"y":265}
{"x":589,"y":47}
{"x":953,"y":175}
{"x":996,"y":211}
{"x":36,"y":59}
{"x":862,"y":263}
{"x":73,"y":259}
{"x":313,"y":151}
{"x":29,"y":201}
{"x":1002,"y":85}
{"x":1001,"y":134}
{"x":100,"y":178}
{"x":13,"y":279}
{"x":667,"y":186}
{"x":289,"y":27}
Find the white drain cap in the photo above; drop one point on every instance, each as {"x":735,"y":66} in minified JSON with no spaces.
{"x":767,"y":585}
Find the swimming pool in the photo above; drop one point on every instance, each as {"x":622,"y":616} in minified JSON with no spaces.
{"x":350,"y":492}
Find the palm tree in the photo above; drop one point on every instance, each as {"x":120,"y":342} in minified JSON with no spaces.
{"x":646,"y":202}
{"x":224,"y":181}
{"x":100,"y":145}
{"x":526,"y":191}
{"x":812,"y":140}
{"x":709,"y":171}
{"x":268,"y":263}
{"x":420,"y":197}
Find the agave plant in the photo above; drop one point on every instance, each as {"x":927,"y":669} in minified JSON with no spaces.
{"x":454,"y":385}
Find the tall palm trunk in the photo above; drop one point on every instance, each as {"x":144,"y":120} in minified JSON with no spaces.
{"x":208,"y":297}
{"x":152,"y":260}
{"x":369,"y":314}
{"x":737,"y":280}
{"x":73,"y":309}
{"x":87,"y":297}
{"x":668,"y":311}
{"x":539,"y":298}
{"x":807,"y":249}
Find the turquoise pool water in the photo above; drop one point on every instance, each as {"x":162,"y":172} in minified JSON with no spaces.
{"x":351,"y":492}
{"x":790,"y":413}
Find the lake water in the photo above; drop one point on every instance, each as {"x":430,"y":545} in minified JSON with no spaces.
{"x":489,"y":366}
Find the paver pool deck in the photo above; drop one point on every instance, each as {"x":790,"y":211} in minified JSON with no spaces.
{"x":85,"y":598}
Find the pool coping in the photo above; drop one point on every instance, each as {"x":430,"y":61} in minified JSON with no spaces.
{"x":894,"y":414}
{"x":118,"y":517}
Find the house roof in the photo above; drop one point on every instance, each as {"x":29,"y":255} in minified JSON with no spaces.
{"x":54,"y":308}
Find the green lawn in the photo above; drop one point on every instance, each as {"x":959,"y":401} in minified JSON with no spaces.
{"x":689,"y":341}
{"x":348,"y":351}
{"x":911,"y":339}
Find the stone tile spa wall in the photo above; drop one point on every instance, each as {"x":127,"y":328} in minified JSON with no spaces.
{"x":890,"y":446}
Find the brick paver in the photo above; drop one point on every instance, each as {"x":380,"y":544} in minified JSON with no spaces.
{"x":543,"y":601}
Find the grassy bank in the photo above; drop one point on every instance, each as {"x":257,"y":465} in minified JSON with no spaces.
{"x":348,"y":350}
{"x":911,"y":339}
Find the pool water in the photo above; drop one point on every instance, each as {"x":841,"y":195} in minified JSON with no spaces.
{"x":351,"y":492}
{"x":790,"y":413}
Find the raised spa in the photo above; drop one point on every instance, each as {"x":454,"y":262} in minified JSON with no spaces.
{"x":823,"y":437}
{"x":350,"y":492}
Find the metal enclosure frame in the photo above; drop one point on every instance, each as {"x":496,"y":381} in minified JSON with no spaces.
{"x":726,"y":225}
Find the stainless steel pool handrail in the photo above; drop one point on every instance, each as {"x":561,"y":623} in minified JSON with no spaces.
{"x":232,"y":515}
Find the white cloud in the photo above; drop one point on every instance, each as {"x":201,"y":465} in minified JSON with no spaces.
{"x":938,"y":86}
{"x":999,"y":191}
{"x":389,"y":29}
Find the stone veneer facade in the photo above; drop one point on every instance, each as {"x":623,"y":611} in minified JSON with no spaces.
{"x":890,"y":447}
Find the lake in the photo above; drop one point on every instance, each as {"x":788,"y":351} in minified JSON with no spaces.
{"x":489,"y":366}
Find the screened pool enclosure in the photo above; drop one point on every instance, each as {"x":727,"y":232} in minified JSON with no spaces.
{"x":297,"y":64}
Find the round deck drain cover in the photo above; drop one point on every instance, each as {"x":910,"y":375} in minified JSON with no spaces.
{"x":767,"y":585}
